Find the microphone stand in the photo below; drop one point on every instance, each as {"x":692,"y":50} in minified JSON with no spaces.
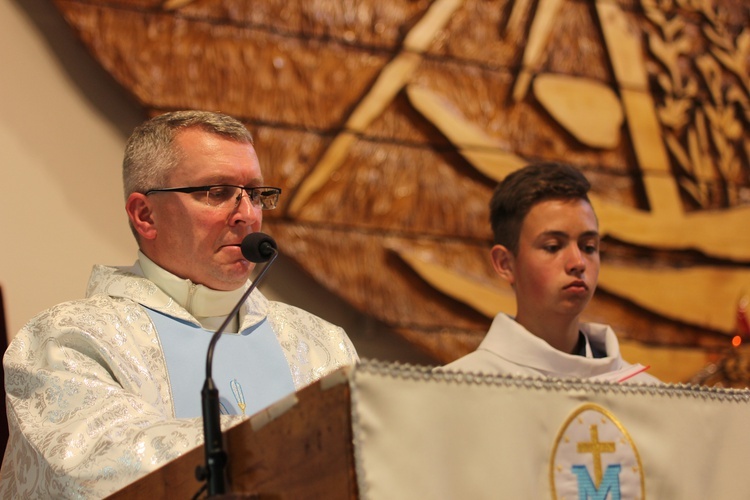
{"x":216,"y":458}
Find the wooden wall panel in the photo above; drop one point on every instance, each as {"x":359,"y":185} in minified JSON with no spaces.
{"x":388,"y":124}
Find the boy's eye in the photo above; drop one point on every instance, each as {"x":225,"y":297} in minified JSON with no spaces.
{"x":551,"y":248}
{"x":590,"y":248}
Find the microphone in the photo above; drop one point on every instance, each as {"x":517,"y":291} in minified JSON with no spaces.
{"x":258,"y":248}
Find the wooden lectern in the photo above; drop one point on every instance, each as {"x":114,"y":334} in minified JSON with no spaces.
{"x":305,"y":452}
{"x":390,"y":431}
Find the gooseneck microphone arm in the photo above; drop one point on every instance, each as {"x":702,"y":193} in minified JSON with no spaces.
{"x":256,"y":247}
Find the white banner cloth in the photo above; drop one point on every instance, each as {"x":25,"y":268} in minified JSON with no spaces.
{"x":420,"y":434}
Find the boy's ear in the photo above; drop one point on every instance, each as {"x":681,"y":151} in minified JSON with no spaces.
{"x":504,"y":263}
{"x":140,"y":214}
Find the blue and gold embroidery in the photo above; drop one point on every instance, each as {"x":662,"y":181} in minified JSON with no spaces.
{"x":239,"y":397}
{"x":595,"y":457}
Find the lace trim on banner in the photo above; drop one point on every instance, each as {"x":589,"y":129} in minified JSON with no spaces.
{"x":428,"y":373}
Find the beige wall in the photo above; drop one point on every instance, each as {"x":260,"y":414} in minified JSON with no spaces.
{"x":63,"y":124}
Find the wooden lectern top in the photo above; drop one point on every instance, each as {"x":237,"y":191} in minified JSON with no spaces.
{"x":298,"y":448}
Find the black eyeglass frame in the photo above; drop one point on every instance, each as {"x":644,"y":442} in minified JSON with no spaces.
{"x":253,"y":192}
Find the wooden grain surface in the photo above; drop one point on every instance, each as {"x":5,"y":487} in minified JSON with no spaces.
{"x":304,"y":451}
{"x":389,"y":123}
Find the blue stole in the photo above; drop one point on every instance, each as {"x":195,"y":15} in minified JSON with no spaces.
{"x":249,"y":368}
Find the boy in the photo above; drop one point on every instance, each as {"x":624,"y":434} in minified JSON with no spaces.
{"x":547,"y":248}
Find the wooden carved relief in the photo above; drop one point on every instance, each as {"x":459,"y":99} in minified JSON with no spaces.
{"x":390,"y":122}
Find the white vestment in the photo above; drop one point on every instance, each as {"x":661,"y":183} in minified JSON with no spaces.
{"x":89,"y":403}
{"x":510,"y":349}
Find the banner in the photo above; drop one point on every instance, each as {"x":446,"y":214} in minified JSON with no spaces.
{"x":425,"y":434}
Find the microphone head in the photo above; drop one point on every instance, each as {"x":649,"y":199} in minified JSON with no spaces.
{"x":258,"y":247}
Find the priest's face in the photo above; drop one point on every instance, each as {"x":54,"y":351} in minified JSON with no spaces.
{"x":192,"y":239}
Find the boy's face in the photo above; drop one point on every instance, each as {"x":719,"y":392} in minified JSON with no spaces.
{"x":555,"y":270}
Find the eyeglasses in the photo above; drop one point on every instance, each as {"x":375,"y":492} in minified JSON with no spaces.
{"x":223,"y":195}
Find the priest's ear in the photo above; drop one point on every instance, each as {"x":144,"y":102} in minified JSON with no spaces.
{"x":504,"y":263}
{"x":141,"y":215}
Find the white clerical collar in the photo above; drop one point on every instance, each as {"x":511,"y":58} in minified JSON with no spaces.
{"x":208,"y":306}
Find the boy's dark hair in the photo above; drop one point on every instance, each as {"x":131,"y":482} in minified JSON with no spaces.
{"x":524,"y":188}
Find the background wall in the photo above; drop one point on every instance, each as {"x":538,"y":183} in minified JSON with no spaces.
{"x":431,"y":102}
{"x":63,"y":126}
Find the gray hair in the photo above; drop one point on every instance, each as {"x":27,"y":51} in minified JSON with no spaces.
{"x":150,"y":155}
